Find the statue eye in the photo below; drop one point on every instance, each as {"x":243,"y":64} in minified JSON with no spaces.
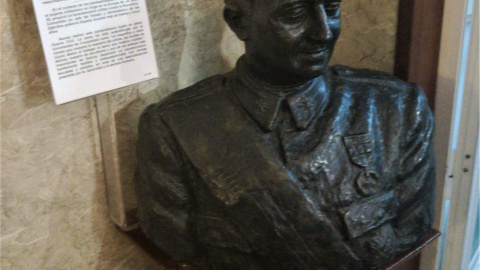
{"x":332,"y":8}
{"x":294,"y":15}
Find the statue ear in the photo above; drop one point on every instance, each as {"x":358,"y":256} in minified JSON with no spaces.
{"x":238,"y":21}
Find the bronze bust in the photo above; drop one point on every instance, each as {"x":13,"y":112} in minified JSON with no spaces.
{"x":285,"y":163}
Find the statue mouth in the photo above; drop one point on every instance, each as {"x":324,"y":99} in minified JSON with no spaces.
{"x":314,"y":54}
{"x":315,"y":49}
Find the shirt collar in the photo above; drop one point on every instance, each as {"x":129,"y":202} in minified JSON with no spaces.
{"x":263,"y":101}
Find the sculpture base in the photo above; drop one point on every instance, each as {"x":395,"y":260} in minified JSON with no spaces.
{"x":409,"y":260}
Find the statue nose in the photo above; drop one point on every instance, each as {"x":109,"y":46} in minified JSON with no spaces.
{"x":319,"y":28}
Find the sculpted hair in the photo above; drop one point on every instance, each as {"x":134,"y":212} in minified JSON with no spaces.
{"x":239,"y":3}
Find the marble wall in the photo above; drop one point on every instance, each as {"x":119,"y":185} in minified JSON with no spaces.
{"x":55,"y":160}
{"x":368,"y":34}
{"x":54,"y":213}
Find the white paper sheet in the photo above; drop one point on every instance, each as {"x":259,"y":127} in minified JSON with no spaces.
{"x":93,"y":46}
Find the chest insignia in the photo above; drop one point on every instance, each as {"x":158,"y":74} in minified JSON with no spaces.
{"x":359,"y":149}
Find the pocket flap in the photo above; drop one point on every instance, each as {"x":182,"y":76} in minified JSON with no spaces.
{"x":366,"y":215}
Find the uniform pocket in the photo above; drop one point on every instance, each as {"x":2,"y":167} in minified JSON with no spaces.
{"x":368,"y":214}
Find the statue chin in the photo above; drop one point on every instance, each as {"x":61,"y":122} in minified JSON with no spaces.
{"x":308,"y":69}
{"x":312,"y":72}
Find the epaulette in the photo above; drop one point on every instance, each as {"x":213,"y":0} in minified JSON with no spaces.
{"x":366,"y":76}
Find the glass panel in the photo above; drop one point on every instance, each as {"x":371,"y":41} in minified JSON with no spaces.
{"x":474,"y":249}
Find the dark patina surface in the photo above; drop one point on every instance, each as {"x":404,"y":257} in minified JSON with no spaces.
{"x":285,"y":163}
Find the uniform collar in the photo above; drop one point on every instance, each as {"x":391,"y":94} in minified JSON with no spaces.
{"x":263,"y":101}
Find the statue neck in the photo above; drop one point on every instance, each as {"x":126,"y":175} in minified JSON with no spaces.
{"x":256,"y":79}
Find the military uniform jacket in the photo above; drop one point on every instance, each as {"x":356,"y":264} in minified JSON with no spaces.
{"x":335,"y":177}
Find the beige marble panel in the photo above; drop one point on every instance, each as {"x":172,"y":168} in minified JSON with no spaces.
{"x":54,"y":213}
{"x":368,"y":34}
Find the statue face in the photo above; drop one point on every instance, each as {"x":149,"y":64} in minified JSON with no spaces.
{"x":292,"y":39}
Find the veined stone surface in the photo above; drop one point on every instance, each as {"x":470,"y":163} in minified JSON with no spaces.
{"x":368,"y":36}
{"x":54,"y":211}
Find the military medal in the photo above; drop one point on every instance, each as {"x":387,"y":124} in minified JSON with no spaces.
{"x":366,"y":183}
{"x":359,"y":149}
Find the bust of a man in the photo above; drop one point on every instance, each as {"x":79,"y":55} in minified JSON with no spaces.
{"x":284,"y":162}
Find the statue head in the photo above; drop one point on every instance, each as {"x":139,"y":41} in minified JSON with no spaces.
{"x":286,"y":41}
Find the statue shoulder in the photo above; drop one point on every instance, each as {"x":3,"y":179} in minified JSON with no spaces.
{"x":386,"y":88}
{"x":185,"y":103}
{"x":367,"y":76}
{"x":197,"y":91}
